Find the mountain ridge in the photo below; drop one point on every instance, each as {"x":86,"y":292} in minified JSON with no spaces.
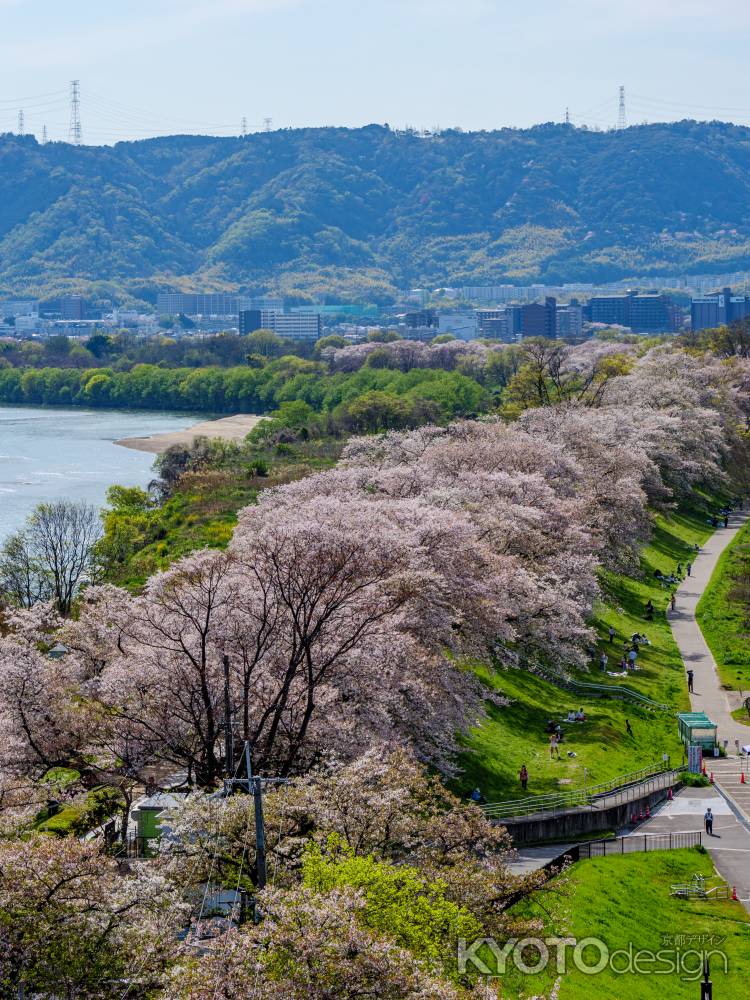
{"x":361,"y":212}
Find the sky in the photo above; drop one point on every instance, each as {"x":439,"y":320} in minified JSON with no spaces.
{"x":152,"y":67}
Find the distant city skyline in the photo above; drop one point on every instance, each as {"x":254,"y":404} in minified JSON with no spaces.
{"x":169,"y":66}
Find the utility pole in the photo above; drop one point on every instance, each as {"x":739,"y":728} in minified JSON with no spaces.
{"x":74,"y":132}
{"x":254,"y":786}
{"x":228,"y":734}
{"x":21,"y":125}
{"x":707,"y":987}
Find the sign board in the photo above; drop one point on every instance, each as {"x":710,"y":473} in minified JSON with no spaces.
{"x":695,"y":758}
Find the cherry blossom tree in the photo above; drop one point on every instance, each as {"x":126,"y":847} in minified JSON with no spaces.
{"x":71,"y":924}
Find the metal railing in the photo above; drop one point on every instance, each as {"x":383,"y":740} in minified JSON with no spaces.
{"x":622,"y":785}
{"x":636,"y":843}
{"x":617,"y":691}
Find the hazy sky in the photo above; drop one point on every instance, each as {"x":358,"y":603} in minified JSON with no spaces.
{"x":157,"y":66}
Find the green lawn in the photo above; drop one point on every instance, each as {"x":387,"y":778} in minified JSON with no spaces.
{"x":625,"y":901}
{"x":516,"y":735}
{"x":725,"y":620}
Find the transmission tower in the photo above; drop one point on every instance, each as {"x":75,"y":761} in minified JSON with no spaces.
{"x":567,"y":116}
{"x":44,"y":135}
{"x":74,"y":132}
{"x":621,"y":119}
{"x":267,"y":124}
{"x":243,"y":127}
{"x":21,"y":125}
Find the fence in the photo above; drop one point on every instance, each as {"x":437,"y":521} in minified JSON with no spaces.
{"x":615,"y":691}
{"x":624,"y":788}
{"x":636,"y":843}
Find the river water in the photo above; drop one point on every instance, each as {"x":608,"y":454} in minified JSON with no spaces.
{"x":56,"y":453}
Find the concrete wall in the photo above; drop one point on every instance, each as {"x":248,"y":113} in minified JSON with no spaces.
{"x":574,"y":823}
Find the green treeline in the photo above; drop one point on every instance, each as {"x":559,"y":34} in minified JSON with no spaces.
{"x":237,"y":390}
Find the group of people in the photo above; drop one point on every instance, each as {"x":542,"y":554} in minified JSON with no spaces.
{"x":628,"y":658}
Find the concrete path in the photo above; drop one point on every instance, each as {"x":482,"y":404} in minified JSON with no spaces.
{"x":531,"y":859}
{"x":729,"y":846}
{"x":708,"y":695}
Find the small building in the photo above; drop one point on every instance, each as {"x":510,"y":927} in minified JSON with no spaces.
{"x":696,"y":729}
{"x":146,"y":814}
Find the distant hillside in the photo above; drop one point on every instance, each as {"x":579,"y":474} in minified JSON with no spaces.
{"x":360,"y":211}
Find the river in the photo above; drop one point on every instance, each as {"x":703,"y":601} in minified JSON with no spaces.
{"x":56,"y":453}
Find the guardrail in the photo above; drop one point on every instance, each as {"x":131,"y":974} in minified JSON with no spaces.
{"x":616,"y":691}
{"x":636,"y":843}
{"x":581,"y":797}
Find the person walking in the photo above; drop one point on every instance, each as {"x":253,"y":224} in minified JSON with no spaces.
{"x":523,"y":777}
{"x":632,"y":657}
{"x":629,"y":728}
{"x":673,"y":601}
{"x":726,"y":520}
{"x":553,"y":749}
{"x":603,"y":661}
{"x":690,"y":681}
{"x":689,"y":568}
{"x":611,"y":633}
{"x":708,"y":819}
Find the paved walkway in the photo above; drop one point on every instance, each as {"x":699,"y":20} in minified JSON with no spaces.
{"x":730,"y":800}
{"x":729,"y":846}
{"x":708,"y":695}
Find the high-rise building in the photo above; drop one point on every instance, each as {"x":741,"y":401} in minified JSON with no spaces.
{"x":421,"y":318}
{"x":496,"y":324}
{"x":539,"y":319}
{"x":647,"y":312}
{"x":294,"y":326}
{"x":73,"y":307}
{"x":210,"y":303}
{"x":708,"y":311}
{"x":570,"y":321}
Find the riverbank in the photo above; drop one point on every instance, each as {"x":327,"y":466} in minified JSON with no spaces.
{"x":230,"y":428}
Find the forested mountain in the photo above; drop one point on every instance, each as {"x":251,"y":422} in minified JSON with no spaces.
{"x":360,"y":211}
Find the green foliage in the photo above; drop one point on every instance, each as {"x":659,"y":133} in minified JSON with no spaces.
{"x":285,"y":380}
{"x":625,"y":901}
{"x":724,"y":613}
{"x":81,"y":815}
{"x":399,"y":902}
{"x":358,"y":212}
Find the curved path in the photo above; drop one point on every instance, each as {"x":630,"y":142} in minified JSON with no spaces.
{"x":730,"y":798}
{"x":708,"y":695}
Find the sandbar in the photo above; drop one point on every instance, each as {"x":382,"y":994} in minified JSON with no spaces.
{"x":230,"y":428}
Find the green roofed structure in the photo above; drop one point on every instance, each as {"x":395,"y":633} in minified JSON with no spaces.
{"x":697,"y":729}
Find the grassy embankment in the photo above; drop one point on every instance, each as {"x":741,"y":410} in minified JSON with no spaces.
{"x":517,"y":735}
{"x":624,"y":901}
{"x":202,"y":512}
{"x":724,"y":616}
